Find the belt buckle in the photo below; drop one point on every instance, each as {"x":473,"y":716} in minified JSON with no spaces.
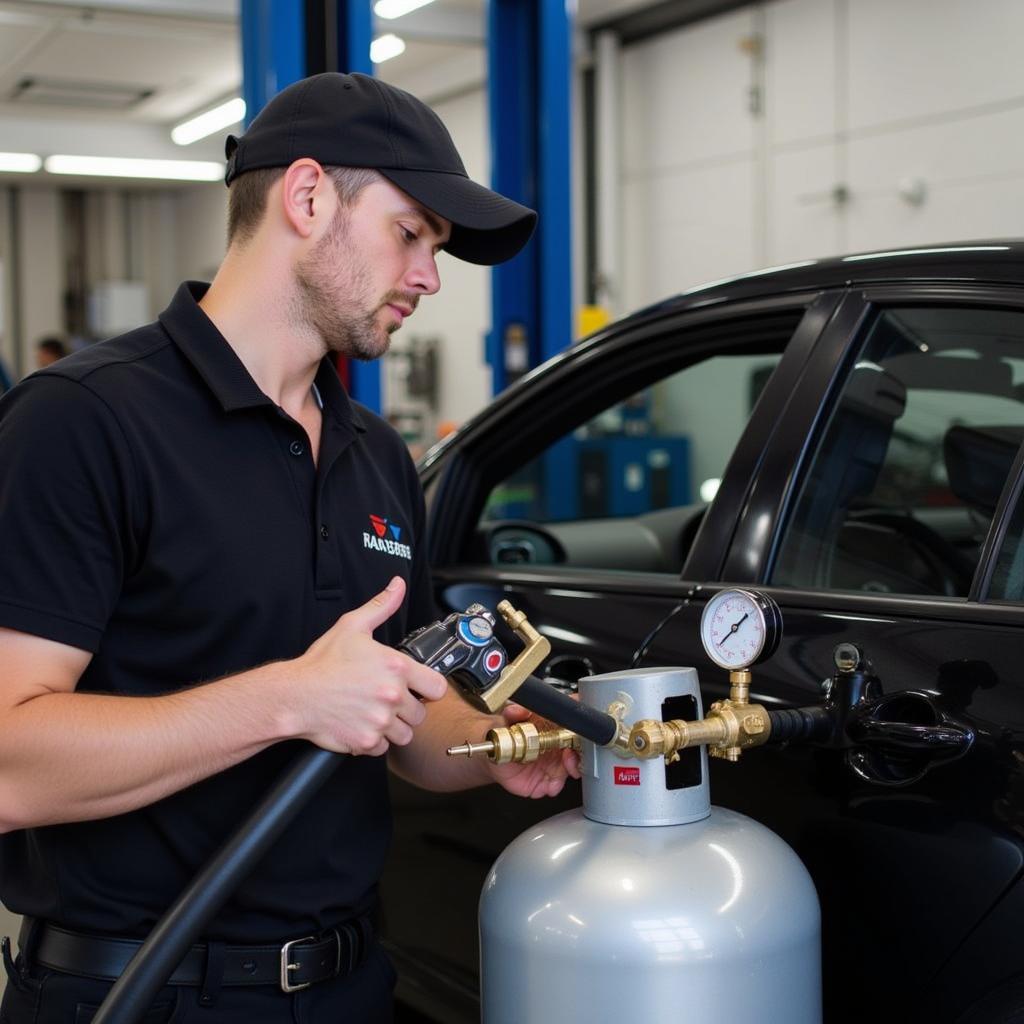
{"x":286,"y":985}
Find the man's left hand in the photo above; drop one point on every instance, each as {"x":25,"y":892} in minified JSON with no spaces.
{"x":544,"y":777}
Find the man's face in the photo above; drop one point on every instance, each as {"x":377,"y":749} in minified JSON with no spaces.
{"x":369,"y":271}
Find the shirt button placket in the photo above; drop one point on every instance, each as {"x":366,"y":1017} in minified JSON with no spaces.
{"x":328,"y":569}
{"x":296,"y":448}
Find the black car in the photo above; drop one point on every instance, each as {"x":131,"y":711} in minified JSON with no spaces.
{"x":844,"y":435}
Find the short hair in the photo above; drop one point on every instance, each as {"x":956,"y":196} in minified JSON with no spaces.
{"x":54,"y":346}
{"x":247,"y":196}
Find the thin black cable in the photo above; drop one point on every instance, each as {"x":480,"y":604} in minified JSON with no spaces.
{"x":641,"y":652}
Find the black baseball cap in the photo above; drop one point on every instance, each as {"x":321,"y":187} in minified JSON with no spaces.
{"x":357,"y":121}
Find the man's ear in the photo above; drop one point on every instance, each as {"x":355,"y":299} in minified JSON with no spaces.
{"x":305,"y":197}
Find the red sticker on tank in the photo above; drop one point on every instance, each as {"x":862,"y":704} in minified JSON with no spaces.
{"x":625,"y":776}
{"x":493,"y":661}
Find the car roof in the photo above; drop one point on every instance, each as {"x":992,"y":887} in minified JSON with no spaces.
{"x":995,"y":261}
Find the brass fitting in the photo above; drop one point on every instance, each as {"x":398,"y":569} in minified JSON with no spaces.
{"x":731,"y":726}
{"x":746,"y":726}
{"x":618,"y":709}
{"x":650,"y":738}
{"x":521,"y":743}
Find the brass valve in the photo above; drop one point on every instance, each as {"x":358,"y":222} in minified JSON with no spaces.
{"x":521,"y":743}
{"x":730,"y":727}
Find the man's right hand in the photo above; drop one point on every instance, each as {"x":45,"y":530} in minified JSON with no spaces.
{"x":69,"y":756}
{"x":356,"y":696}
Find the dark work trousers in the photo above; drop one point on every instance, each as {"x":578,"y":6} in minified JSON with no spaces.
{"x":37,"y":995}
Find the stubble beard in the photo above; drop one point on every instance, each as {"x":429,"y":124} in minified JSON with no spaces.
{"x":334,"y":290}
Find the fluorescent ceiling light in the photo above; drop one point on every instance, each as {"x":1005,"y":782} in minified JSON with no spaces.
{"x":385,"y":47}
{"x":196,"y":128}
{"x":118,"y":167}
{"x":396,"y":8}
{"x":20,"y":163}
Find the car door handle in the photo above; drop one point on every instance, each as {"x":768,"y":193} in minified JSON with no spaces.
{"x":945,"y":738}
{"x":895,"y":739}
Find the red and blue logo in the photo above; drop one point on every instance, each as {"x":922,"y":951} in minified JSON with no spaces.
{"x":386,"y":537}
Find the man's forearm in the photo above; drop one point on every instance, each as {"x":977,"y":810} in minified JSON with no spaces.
{"x":75,"y":756}
{"x":423,"y":762}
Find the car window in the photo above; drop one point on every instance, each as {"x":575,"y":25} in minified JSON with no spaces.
{"x":1008,"y":576}
{"x":626,"y":489}
{"x":902,"y":487}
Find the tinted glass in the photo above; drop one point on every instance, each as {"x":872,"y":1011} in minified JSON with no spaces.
{"x":661,"y":450}
{"x":1007,"y":582}
{"x":903,"y":485}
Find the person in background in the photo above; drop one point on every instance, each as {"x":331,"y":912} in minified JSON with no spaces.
{"x":49,"y":350}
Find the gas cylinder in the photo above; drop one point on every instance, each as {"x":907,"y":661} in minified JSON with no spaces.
{"x":648,"y":903}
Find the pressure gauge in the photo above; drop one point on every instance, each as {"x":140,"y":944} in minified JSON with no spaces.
{"x":740,"y":627}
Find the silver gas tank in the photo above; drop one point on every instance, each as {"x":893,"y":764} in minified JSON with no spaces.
{"x":688,"y":913}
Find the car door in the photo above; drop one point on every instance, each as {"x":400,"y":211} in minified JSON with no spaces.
{"x":577,"y":497}
{"x":879,"y":516}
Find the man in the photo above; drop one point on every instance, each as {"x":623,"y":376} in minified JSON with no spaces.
{"x":190,"y":586}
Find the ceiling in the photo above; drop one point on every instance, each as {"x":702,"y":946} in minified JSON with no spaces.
{"x":113,"y":77}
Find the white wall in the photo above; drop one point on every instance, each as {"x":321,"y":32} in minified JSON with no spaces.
{"x":40,"y":262}
{"x":865,"y":96}
{"x":920,"y":90}
{"x":688,"y":157}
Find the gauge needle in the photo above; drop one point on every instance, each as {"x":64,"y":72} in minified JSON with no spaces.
{"x":733,"y":628}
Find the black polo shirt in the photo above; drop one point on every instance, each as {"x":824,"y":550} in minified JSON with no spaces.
{"x":158,"y":510}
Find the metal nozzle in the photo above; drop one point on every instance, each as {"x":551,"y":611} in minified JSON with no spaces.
{"x":517,"y":744}
{"x":468,"y":749}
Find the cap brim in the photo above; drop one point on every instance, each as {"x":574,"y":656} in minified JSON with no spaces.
{"x":487,"y":228}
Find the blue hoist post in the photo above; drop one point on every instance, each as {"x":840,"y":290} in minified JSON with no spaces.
{"x":273,"y":50}
{"x":530,"y":95}
{"x":285,"y":40}
{"x":530,"y":90}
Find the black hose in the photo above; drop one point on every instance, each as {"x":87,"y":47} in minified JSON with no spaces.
{"x":815,"y":724}
{"x":148,"y":971}
{"x":561,"y":709}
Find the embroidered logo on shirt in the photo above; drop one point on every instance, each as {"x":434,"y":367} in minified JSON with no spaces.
{"x":380,"y":540}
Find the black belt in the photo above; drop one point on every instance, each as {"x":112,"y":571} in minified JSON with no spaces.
{"x":293,"y":965}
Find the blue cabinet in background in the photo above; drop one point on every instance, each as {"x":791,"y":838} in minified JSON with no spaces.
{"x":596,"y":478}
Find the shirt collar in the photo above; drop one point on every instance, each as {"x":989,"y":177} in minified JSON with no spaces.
{"x":224,"y":373}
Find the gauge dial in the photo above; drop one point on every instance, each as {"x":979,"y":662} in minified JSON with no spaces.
{"x":740,"y":627}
